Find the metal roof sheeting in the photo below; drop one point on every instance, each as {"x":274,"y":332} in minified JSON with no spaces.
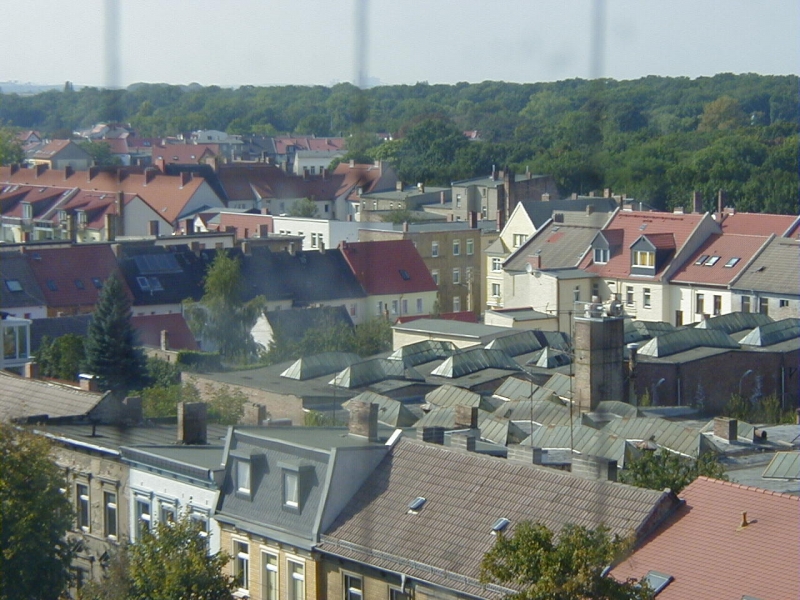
{"x":473,"y":360}
{"x":317,"y":365}
{"x":734,"y":322}
{"x":423,"y":352}
{"x":522,"y":342}
{"x":784,"y":465}
{"x":773,"y":333}
{"x":686,"y":339}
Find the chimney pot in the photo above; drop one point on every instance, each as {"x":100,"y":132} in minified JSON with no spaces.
{"x":192,"y":422}
{"x":88,"y":383}
{"x":364,"y":420}
{"x":726,"y":428}
{"x":32,"y":370}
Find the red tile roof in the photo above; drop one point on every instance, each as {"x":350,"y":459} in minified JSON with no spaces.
{"x":66,"y":275}
{"x":184,"y":154}
{"x":757,"y":224}
{"x":379,"y":267}
{"x":632,"y":226}
{"x":149,"y":327}
{"x":307,"y":143}
{"x":726,"y":247}
{"x":50,"y":150}
{"x":41,"y":199}
{"x":710,"y":555}
{"x":241,"y":182}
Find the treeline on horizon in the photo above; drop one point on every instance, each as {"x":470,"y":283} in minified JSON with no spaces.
{"x":655,"y":139}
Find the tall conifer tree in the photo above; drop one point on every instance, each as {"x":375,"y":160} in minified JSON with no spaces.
{"x":111,"y":352}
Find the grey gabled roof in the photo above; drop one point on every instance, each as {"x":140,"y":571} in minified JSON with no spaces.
{"x":472,"y":360}
{"x":294,"y":323}
{"x":372,"y":371}
{"x":515,"y":344}
{"x":549,"y":358}
{"x":584,"y":439}
{"x":775,"y":271}
{"x":686,"y":339}
{"x":734,"y":322}
{"x":773,"y":333}
{"x":391,"y":412}
{"x":450,"y":395}
{"x":601,"y":209}
{"x":423,"y":352}
{"x":784,"y":465}
{"x":557,"y":246}
{"x":445,"y":541}
{"x":637,"y":331}
{"x":21,"y":398}
{"x":14,"y":267}
{"x":316,"y":365}
{"x":537,"y":412}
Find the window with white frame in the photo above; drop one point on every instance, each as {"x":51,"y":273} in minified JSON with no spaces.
{"x":456,"y":303}
{"x":398,"y":594}
{"x":470,"y":247}
{"x":291,"y":496}
{"x":243,"y":473}
{"x":699,"y":304}
{"x":82,"y":506}
{"x":270,"y":576}
{"x":143,"y":518}
{"x":395,"y":307}
{"x":576,"y":294}
{"x":297,"y":580}
{"x":646,"y":297}
{"x":435,"y":275}
{"x":717,"y":304}
{"x":419,"y":306}
{"x":456,"y":276}
{"x":110,"y":514}
{"x":404,"y":306}
{"x":168,"y":512}
{"x":746,"y":304}
{"x":497,"y":264}
{"x":644,"y":258}
{"x":241,"y":564}
{"x":601,"y":255}
{"x":27,"y":210}
{"x":519,"y":239}
{"x":456,"y":247}
{"x":629,"y":295}
{"x":313,"y":240}
{"x":496,"y":290}
{"x":353,"y":587}
{"x":434,"y":249}
{"x":200,"y":518}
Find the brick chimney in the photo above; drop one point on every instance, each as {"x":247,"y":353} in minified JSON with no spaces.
{"x":254,"y":414}
{"x":31,"y":370}
{"x":192,"y":422}
{"x":535,"y":261}
{"x":186,"y":177}
{"x":726,"y":428}
{"x":546,"y":197}
{"x":697,"y":202}
{"x":466,"y":417}
{"x":68,"y":172}
{"x":88,"y":382}
{"x":92,"y":173}
{"x":364,"y":420}
{"x":149,"y":175}
{"x":164,"y":340}
{"x":38,"y":170}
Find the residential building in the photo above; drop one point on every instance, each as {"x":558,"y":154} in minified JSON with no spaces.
{"x":314,"y":162}
{"x":60,"y":154}
{"x":374,"y":205}
{"x":16,"y":342}
{"x":770,"y":282}
{"x":360,"y":179}
{"x":394,"y":277}
{"x":21,"y":295}
{"x":743,"y":545}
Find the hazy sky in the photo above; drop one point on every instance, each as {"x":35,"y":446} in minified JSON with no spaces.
{"x":262,"y":42}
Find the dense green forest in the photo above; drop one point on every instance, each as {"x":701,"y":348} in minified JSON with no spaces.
{"x":655,"y":139}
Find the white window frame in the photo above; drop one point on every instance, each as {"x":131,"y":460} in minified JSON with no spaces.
{"x":456,"y":304}
{"x":435,"y":275}
{"x":83,"y":504}
{"x":601,"y":256}
{"x":419,"y":306}
{"x":470,"y":247}
{"x":244,"y":476}
{"x":434,"y":249}
{"x":291,"y":493}
{"x":456,"y":247}
{"x":143,"y":519}
{"x":241,"y":563}
{"x":497,"y":264}
{"x":110,"y":514}
{"x":647,"y":297}
{"x":352,"y":592}
{"x":269,"y":568}
{"x":496,"y":290}
{"x":295,"y":575}
{"x":456,"y":276}
{"x":644,"y":258}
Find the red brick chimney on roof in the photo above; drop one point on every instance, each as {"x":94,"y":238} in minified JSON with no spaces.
{"x":697,"y":202}
{"x":149,"y":175}
{"x":185,"y":178}
{"x":68,"y":171}
{"x":39,"y":169}
{"x":92,"y":173}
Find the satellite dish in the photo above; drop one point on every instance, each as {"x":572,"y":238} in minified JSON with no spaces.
{"x":529,"y":268}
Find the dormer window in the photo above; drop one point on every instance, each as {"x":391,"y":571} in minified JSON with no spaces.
{"x":644,"y":258}
{"x":27,"y":210}
{"x":296,"y":481}
{"x":243,"y":476}
{"x":601,"y":255}
{"x":291,"y":497}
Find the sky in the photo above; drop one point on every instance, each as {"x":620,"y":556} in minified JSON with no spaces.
{"x":318,"y":42}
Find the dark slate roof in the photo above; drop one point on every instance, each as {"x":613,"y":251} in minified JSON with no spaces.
{"x":149,"y":327}
{"x":21,"y":397}
{"x":556,"y":246}
{"x":159,"y":275}
{"x":56,"y":327}
{"x":540,"y":211}
{"x":305,"y":277}
{"x":14,"y":267}
{"x":294,"y":323}
{"x":465,"y":493}
{"x":775,"y":270}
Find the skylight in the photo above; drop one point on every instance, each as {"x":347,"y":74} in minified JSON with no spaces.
{"x":79,"y":284}
{"x":732,"y":262}
{"x":51,"y":285}
{"x":701,"y":260}
{"x":98,"y":283}
{"x":657,"y":581}
{"x":404,"y":274}
{"x":143,"y":284}
{"x":415,"y":505}
{"x":712,"y":260}
{"x":500,"y":525}
{"x":13,"y":285}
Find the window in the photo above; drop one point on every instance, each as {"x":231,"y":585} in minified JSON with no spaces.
{"x":576,"y":294}
{"x":496,"y":290}
{"x":458,"y":200}
{"x":783,"y":303}
{"x":643,"y":258}
{"x":167,"y":513}
{"x":97,"y":283}
{"x":712,"y":260}
{"x":13,"y":285}
{"x":595,"y":289}
{"x":142,"y":517}
{"x":732,"y":262}
{"x":353,"y":588}
{"x":270,"y":576}
{"x":380,"y":308}
{"x":110,"y":514}
{"x":698,"y":304}
{"x":456,"y":247}
{"x":456,"y":276}
{"x":243,"y":476}
{"x":746,"y":304}
{"x":201,"y":519}
{"x":313,"y":240}
{"x":497,"y":264}
{"x":353,"y":310}
{"x":404,"y":306}
{"x":394,"y":307}
{"x":290,"y":489}
{"x":241,"y":564}
{"x":419,"y":306}
{"x":297,"y":581}
{"x":519,"y":239}
{"x":763,"y":306}
{"x":468,"y":274}
{"x":717,"y":304}
{"x":404,"y":275}
{"x":79,"y":284}
{"x":398,"y":594}
{"x":27,"y":210}
{"x":601,"y":255}
{"x":51,"y":285}
{"x":678,"y":318}
{"x":434,"y":249}
{"x":470,"y":247}
{"x":703,"y":258}
{"x":435,"y":275}
{"x":457,"y":304}
{"x":82,"y":506}
{"x":646,"y":298}
{"x":629,"y":296}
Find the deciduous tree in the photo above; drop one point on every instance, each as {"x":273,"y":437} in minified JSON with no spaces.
{"x":63,"y":357}
{"x":663,"y":469}
{"x":34,"y":518}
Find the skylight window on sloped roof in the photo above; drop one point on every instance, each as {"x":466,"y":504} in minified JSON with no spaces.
{"x":144,"y":284}
{"x":155,"y":284}
{"x":415,"y":505}
{"x":701,"y":260}
{"x":732,"y":262}
{"x":97,"y":282}
{"x":13,"y":285}
{"x":404,"y":274}
{"x":500,"y":525}
{"x":51,"y":285}
{"x":712,"y":260}
{"x":79,"y":284}
{"x":657,"y":581}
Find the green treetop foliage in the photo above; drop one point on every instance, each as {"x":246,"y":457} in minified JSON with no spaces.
{"x":305,"y":208}
{"x":222,"y":317}
{"x":111,"y":351}
{"x":399,"y":216}
{"x":664,"y":469}
{"x":10,"y":149}
{"x":638,"y":137}
{"x":100,"y":153}
{"x":171,"y":563}
{"x":63,"y":357}
{"x":34,"y":519}
{"x":569,"y":566}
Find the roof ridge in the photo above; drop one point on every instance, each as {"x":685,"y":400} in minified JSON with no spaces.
{"x":749,"y":488}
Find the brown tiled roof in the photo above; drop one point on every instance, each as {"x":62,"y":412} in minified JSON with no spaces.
{"x":41,"y":199}
{"x":710,"y":555}
{"x":466,"y":494}
{"x":116,"y":145}
{"x":241,"y":182}
{"x":307,"y":143}
{"x":633,"y":225}
{"x":757,"y":224}
{"x":379,"y":267}
{"x":184,"y":154}
{"x":370,"y":178}
{"x":66,"y":275}
{"x":725,"y":246}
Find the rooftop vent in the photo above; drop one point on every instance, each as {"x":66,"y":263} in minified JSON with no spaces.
{"x":415,"y":505}
{"x":500,"y":525}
